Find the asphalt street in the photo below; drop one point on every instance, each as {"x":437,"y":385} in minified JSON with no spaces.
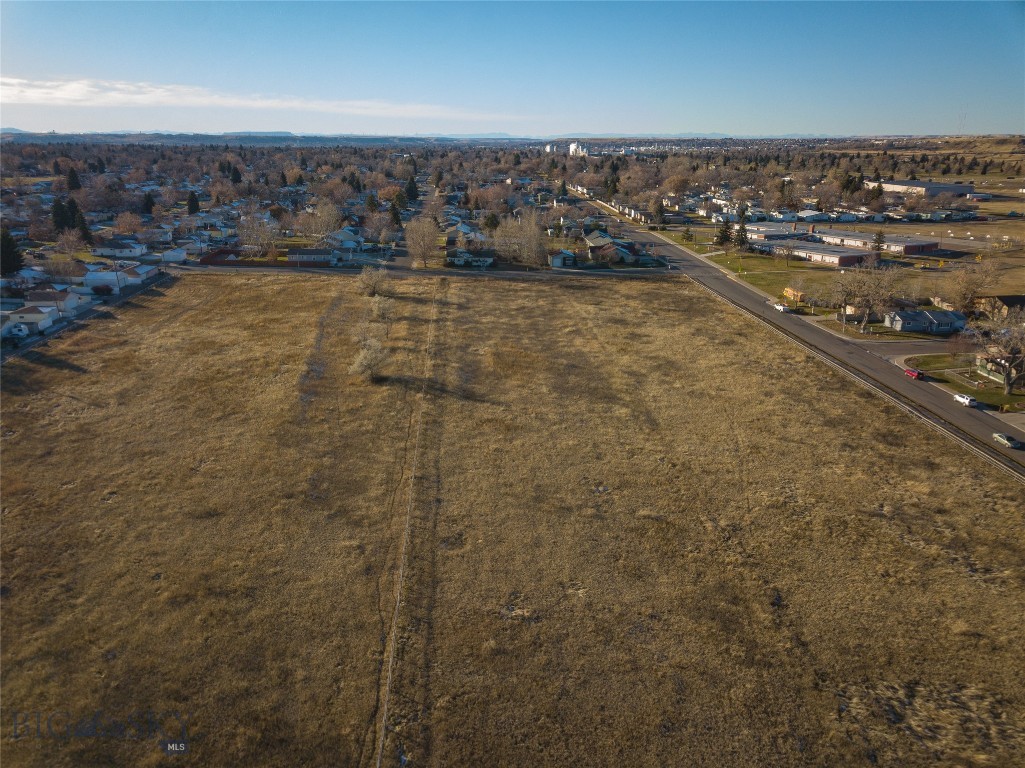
{"x":866,"y":360}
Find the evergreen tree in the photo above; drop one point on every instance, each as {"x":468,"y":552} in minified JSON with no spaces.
{"x":659,"y":214}
{"x":236,"y":177}
{"x":59,"y":216}
{"x":740,"y":236}
{"x":193,"y":204}
{"x":725,"y":233}
{"x":71,"y":213}
{"x":879,"y":241}
{"x":299,"y":180}
{"x":562,"y":189}
{"x":10,"y":258}
{"x":284,"y":180}
{"x":412,"y":193}
{"x":56,"y":168}
{"x":371,"y":203}
{"x":83,"y":229}
{"x":73,"y":181}
{"x":396,"y":217}
{"x":147,"y":203}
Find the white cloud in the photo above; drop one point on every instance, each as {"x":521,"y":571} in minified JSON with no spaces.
{"x":116,"y":93}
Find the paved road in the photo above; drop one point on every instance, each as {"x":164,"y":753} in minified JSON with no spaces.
{"x":867,"y":360}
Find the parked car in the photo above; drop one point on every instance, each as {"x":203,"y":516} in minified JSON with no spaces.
{"x":781,"y":307}
{"x":966,"y":400}
{"x":914,"y":373}
{"x":1006,"y":440}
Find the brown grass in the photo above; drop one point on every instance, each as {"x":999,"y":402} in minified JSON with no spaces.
{"x":644,"y":532}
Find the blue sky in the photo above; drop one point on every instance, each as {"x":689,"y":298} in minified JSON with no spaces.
{"x":525,"y":68}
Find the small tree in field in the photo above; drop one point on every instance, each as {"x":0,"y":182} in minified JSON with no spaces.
{"x":371,"y":281}
{"x":383,"y":308}
{"x":369,"y":360}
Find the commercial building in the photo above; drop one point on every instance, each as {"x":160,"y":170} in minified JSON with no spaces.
{"x":923,"y":188}
{"x":819,"y":253}
{"x":903,"y":245}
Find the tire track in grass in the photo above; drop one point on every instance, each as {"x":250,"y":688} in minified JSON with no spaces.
{"x":404,"y":547}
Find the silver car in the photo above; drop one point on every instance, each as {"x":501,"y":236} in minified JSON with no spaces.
{"x":1006,"y":440}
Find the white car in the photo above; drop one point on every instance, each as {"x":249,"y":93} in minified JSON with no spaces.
{"x":781,"y":307}
{"x":966,"y":400}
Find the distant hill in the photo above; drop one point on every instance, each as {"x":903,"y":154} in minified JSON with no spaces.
{"x":12,"y":130}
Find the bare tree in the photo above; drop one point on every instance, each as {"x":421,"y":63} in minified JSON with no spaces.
{"x":422,"y":239}
{"x":371,"y":282}
{"x":967,"y":283}
{"x":842,"y":291}
{"x":520,"y":241}
{"x":875,"y":292}
{"x":370,"y":358}
{"x":784,"y":253}
{"x":365,"y":330}
{"x":70,"y":242}
{"x":326,"y":218}
{"x":257,"y":234}
{"x":1003,"y":338}
{"x":127,"y":223}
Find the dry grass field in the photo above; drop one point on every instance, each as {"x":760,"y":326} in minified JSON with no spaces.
{"x":643,"y":531}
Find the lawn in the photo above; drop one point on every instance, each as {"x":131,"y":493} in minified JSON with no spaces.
{"x":983,"y":389}
{"x":773,"y":276}
{"x":628,"y":545}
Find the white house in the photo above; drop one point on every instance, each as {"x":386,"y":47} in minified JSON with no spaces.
{"x":174,"y":256}
{"x":346,"y":239}
{"x":139,"y":274}
{"x":119,"y":249}
{"x":67,"y":304}
{"x":111,"y":278}
{"x":38,"y":319}
{"x":812,"y":215}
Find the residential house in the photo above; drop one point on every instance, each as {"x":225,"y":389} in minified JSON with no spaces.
{"x":37,"y":319}
{"x":105,"y":276}
{"x":174,"y":256}
{"x":140,"y":274}
{"x":67,"y":304}
{"x":562,"y":258}
{"x":1000,"y":306}
{"x":119,"y":249}
{"x":939,"y":322}
{"x":321,"y":256}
